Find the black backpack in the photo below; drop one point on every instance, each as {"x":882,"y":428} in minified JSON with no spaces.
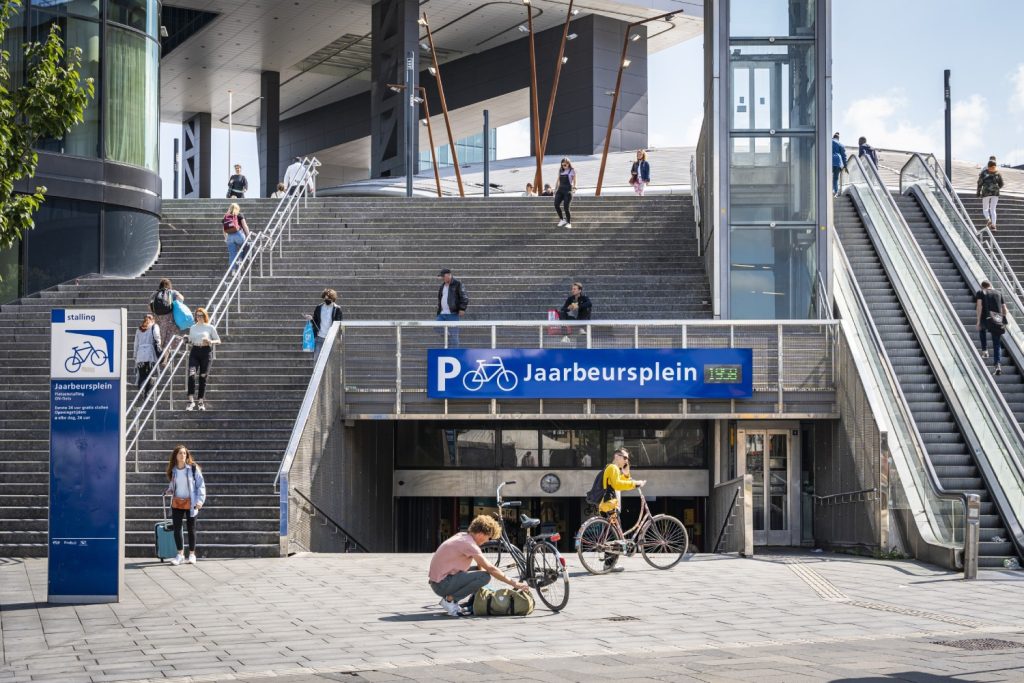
{"x":598,"y":492}
{"x":163,"y":302}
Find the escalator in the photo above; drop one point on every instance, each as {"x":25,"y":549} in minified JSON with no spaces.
{"x":961,"y":294}
{"x":945,"y":443}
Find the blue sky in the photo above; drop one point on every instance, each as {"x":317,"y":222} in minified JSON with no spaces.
{"x":888,"y":58}
{"x":887,"y":63}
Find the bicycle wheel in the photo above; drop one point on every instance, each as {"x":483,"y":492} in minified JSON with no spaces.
{"x":598,"y":545}
{"x":473,"y":380}
{"x":73,"y":363}
{"x":549,"y":576}
{"x":664,"y":542}
{"x":98,"y":358}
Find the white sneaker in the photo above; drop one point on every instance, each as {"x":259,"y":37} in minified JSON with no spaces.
{"x":568,"y":225}
{"x":178,"y":559}
{"x":191,"y":558}
{"x":452,"y":608}
{"x":984,"y":354}
{"x":561,"y":223}
{"x":202,"y":406}
{"x":190,"y":407}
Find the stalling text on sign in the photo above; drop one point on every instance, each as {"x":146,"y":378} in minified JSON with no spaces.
{"x":86,"y":530}
{"x":590,"y":373}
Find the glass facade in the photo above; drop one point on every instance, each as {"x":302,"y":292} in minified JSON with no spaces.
{"x":119,"y":45}
{"x":661,"y":444}
{"x":120,"y":52}
{"x":772,"y":165}
{"x":470,"y":151}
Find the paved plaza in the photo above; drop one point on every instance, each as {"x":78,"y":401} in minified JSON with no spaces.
{"x":777,"y":617}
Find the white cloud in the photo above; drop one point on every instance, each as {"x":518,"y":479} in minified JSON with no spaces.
{"x":1017,"y":96}
{"x":888,"y":121}
{"x":1015,"y":157}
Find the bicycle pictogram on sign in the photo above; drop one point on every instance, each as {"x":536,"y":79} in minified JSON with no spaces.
{"x":486,"y":371}
{"x":83,"y":354}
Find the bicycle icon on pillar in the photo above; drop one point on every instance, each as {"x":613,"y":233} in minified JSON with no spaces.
{"x":486,"y":371}
{"x":83,"y":354}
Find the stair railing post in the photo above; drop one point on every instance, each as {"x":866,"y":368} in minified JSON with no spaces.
{"x":398,"y":369}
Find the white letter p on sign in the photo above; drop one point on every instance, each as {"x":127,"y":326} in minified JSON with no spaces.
{"x":447,"y":368}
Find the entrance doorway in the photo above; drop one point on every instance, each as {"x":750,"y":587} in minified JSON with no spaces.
{"x":767,"y":455}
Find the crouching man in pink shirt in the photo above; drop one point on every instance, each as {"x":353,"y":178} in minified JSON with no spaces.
{"x":450,"y":576}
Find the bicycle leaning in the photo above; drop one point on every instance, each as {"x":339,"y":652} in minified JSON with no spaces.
{"x":661,"y":539}
{"x":539,"y":563}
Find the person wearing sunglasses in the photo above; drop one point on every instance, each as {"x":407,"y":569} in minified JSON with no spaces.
{"x":616,"y":479}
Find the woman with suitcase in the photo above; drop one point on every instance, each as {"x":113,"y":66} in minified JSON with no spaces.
{"x":188,"y":491}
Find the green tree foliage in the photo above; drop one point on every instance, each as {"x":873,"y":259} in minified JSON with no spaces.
{"x":48,"y":104}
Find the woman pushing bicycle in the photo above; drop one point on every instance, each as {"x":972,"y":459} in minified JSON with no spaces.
{"x":616,"y":479}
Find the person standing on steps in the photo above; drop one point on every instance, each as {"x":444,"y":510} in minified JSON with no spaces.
{"x":838,"y":163}
{"x":324,"y":315}
{"x":187,"y":489}
{"x":203,"y":337}
{"x":452,"y":301}
{"x":238,"y":185}
{"x":991,"y":318}
{"x":864,"y":150}
{"x":280,"y":193}
{"x":990,"y":182}
{"x":564,"y":191}
{"x":161,"y":305}
{"x":147,"y":351}
{"x":236,"y":233}
{"x":640,"y":174}
{"x":293,"y":177}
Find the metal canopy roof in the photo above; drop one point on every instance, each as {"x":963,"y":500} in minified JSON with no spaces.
{"x":322,"y":47}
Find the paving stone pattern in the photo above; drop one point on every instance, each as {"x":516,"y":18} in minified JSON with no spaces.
{"x":778,"y":617}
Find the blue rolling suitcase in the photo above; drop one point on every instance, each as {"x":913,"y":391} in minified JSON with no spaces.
{"x":164,"y":535}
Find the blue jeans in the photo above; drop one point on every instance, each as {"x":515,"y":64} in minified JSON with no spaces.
{"x":997,"y":343}
{"x":836,"y":172}
{"x":461,"y":585}
{"x":453,"y":332}
{"x":235,"y":242}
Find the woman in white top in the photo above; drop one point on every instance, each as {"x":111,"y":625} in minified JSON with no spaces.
{"x":280,"y":192}
{"x":187,"y":489}
{"x":148,"y":347}
{"x":203,"y":337}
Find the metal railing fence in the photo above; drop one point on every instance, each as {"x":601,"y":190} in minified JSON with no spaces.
{"x":142,"y":410}
{"x":731,"y":515}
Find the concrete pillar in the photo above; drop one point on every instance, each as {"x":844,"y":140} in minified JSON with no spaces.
{"x":196,"y":157}
{"x":394,"y":33}
{"x":268,"y":134}
{"x":580,"y":118}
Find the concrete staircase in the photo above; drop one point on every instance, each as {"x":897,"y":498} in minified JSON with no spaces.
{"x":1010,"y":234}
{"x":637,"y":258}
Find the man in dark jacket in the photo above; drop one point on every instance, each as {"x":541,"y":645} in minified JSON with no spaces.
{"x":452,"y":301}
{"x":991,"y":318}
{"x":577,"y":306}
{"x":324,"y":315}
{"x":238,"y":184}
{"x":838,"y":162}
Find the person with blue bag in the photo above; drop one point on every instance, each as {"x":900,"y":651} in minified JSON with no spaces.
{"x":202,"y":337}
{"x":323,"y":316}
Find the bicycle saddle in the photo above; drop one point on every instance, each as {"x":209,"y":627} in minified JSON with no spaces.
{"x":528,"y":522}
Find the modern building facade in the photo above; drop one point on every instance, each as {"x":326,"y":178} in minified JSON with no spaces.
{"x":103,"y":189}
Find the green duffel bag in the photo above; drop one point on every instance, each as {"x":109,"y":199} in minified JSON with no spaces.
{"x":503,"y":602}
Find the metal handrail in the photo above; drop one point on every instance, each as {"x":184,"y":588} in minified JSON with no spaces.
{"x":695,"y":192}
{"x":982,"y":237}
{"x":1000,"y":424}
{"x":320,"y":511}
{"x":142,"y":409}
{"x":894,"y":405}
{"x":695,"y":322}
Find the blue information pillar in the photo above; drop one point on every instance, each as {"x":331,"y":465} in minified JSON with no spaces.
{"x":88,"y":354}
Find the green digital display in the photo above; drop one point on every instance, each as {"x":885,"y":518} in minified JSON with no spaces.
{"x":723,"y":374}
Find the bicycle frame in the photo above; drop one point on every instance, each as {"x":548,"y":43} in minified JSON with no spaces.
{"x":642,"y":522}
{"x":519,"y":555}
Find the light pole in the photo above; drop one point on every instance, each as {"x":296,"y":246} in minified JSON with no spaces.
{"x":562,"y":59}
{"x":231,"y":111}
{"x":535,"y":108}
{"x":623,"y":63}
{"x":435,"y":71}
{"x":422,"y":99}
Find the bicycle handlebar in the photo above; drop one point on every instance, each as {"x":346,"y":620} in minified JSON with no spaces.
{"x":512,"y":504}
{"x":507,"y":483}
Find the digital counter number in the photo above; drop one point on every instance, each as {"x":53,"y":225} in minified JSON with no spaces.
{"x":723,"y":374}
